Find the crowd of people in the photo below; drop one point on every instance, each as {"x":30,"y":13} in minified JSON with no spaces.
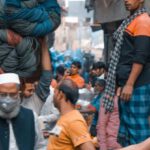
{"x":44,"y":114}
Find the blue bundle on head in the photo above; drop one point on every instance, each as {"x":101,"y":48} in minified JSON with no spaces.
{"x":32,"y":18}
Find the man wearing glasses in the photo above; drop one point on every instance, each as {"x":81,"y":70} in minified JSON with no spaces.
{"x":18,"y":125}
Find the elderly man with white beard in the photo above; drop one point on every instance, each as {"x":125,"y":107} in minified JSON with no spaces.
{"x":19,"y":128}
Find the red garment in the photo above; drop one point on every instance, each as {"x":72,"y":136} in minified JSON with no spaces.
{"x":107,"y":127}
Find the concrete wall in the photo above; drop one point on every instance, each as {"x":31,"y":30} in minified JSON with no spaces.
{"x":111,"y":10}
{"x":147,"y":4}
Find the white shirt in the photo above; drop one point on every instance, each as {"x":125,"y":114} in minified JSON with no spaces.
{"x":33,"y":102}
{"x":40,"y":144}
{"x":101,"y":76}
{"x":49,"y":112}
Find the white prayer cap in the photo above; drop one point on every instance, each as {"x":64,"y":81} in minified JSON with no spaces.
{"x":9,"y":78}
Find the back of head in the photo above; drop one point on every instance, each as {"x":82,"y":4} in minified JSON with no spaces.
{"x":70,"y":89}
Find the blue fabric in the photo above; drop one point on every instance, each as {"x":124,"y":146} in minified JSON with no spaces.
{"x":96,"y":104}
{"x":35,"y":21}
{"x":85,"y":75}
{"x":134,"y":123}
{"x":20,"y":58}
{"x":2,"y":18}
{"x":50,"y":5}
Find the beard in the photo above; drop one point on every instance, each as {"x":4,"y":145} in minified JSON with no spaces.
{"x":12,"y":114}
{"x":55,"y":104}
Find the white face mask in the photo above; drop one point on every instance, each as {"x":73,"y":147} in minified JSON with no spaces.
{"x":9,"y":107}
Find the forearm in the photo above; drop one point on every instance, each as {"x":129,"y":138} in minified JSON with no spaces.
{"x":42,"y":90}
{"x":142,"y":146}
{"x":135,"y":72}
{"x":46,"y":62}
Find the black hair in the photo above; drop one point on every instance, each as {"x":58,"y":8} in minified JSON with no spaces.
{"x":94,"y":66}
{"x":77,"y":64}
{"x":71,"y":92}
{"x":60,"y":70}
{"x":99,"y":65}
{"x":101,"y":82}
{"x":106,"y":67}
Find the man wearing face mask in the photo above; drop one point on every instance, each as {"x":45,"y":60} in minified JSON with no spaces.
{"x":19,"y":126}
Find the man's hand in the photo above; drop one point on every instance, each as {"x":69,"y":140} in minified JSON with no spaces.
{"x":126,"y":92}
{"x":128,"y":88}
{"x":118,"y":92}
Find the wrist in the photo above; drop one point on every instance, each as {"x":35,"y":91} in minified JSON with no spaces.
{"x":128,"y":83}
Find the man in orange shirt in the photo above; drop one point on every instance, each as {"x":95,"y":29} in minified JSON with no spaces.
{"x":71,"y":131}
{"x":74,"y":74}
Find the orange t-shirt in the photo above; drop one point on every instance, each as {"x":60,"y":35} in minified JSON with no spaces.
{"x":78,"y":80}
{"x":70,"y":131}
{"x":140,"y":26}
